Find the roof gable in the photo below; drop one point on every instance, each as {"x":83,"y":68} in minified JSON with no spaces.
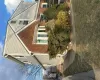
{"x":13,"y":46}
{"x":24,"y":18}
{"x":22,"y":7}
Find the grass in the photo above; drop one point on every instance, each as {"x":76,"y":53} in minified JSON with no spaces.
{"x":87,"y":27}
{"x":86,"y":17}
{"x":79,"y":65}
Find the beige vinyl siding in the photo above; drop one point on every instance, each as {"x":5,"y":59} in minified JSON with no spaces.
{"x":32,"y":59}
{"x":29,"y":15}
{"x":44,"y":59}
{"x":12,"y":45}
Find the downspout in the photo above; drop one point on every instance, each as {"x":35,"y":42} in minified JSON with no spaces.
{"x":39,"y":62}
{"x":14,"y":59}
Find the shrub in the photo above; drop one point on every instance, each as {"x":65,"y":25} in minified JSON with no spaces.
{"x":51,"y":12}
{"x":58,"y":41}
{"x":62,"y":19}
{"x":50,"y":25}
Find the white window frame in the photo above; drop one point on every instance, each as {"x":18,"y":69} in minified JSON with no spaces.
{"x":44,"y":4}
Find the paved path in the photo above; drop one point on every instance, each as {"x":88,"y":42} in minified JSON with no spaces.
{"x":81,"y":76}
{"x":68,"y":59}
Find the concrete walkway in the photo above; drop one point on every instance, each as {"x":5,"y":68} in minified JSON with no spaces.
{"x":81,"y":76}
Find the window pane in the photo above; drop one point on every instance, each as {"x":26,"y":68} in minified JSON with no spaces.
{"x":42,"y":41}
{"x":44,"y":6}
{"x":20,"y":22}
{"x":13,"y":22}
{"x":25,"y":22}
{"x":41,"y":30}
{"x":42,"y":35}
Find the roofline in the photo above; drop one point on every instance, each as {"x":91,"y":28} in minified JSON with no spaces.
{"x":37,"y":53}
{"x":22,"y":11}
{"x":19,"y":40}
{"x":3,"y":53}
{"x":38,"y":3}
{"x":14,"y":59}
{"x":25,"y":27}
{"x":16,"y":8}
{"x":23,"y":44}
{"x":31,"y":21}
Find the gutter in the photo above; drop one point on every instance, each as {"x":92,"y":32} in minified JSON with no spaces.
{"x":14,"y":59}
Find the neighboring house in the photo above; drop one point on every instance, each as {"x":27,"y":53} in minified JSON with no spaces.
{"x":26,"y":38}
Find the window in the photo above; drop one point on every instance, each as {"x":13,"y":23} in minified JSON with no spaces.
{"x":25,"y":22}
{"x":44,"y":5}
{"x":13,"y":21}
{"x":25,"y":61}
{"x":42,"y":41}
{"x":41,"y":30}
{"x":41,"y":26}
{"x":21,"y":22}
{"x":41,"y":35}
{"x":43,"y":17}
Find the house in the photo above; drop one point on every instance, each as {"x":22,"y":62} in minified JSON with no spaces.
{"x":26,"y":37}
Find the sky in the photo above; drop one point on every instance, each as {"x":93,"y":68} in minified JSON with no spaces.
{"x":9,"y":70}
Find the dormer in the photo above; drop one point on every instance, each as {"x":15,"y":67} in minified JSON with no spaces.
{"x":44,"y":5}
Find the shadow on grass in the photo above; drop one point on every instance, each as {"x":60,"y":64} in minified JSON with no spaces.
{"x":81,"y":76}
{"x":78,"y":66}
